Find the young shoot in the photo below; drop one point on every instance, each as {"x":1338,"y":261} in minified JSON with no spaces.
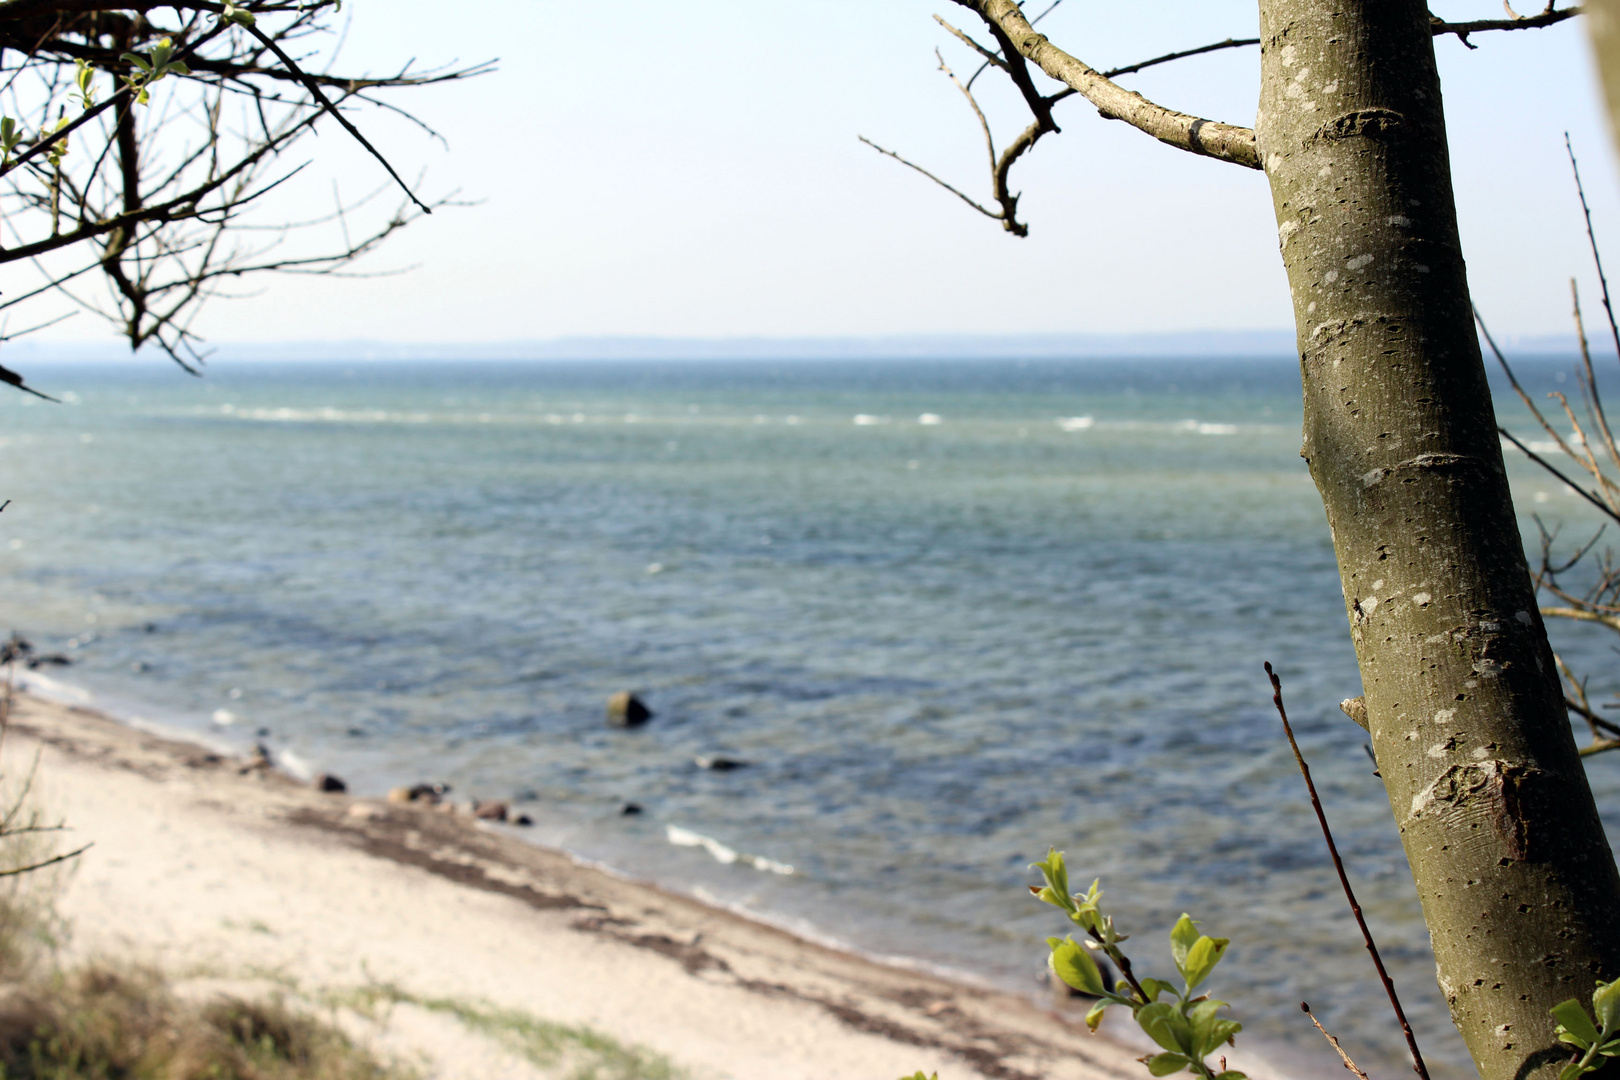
{"x":1596,"y":1039}
{"x":1182,"y":1022}
{"x":149,"y":69}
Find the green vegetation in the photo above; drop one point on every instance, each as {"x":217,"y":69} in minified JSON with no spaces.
{"x":1187,"y":1028}
{"x":1597,"y":1041}
{"x":585,"y":1054}
{"x":103,"y":1022}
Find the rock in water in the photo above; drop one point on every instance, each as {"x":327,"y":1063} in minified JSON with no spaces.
{"x":717,"y":763}
{"x":626,"y":710}
{"x":328,"y":782}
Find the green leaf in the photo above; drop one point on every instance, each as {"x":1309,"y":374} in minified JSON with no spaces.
{"x":1572,"y":1019}
{"x":1205,"y":953}
{"x":1165,"y":1064}
{"x":1222,"y":1031}
{"x":1573,"y":1070}
{"x":1182,"y":936}
{"x":1057,"y":874}
{"x":1166,"y":1026}
{"x":138,"y":60}
{"x":1606,"y":1004}
{"x":1075,"y":966}
{"x":1231,"y":1074}
{"x":1155,"y":987}
{"x":1201,"y":1018}
{"x":1095,"y":1016}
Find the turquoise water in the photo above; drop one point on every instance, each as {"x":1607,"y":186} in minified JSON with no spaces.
{"x":949,"y":614}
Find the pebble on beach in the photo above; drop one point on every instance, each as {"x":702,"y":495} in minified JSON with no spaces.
{"x":423,"y":793}
{"x":489,"y":811}
{"x":328,"y":782}
{"x":625,"y":710}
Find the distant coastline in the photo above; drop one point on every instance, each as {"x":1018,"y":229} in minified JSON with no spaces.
{"x":1213,"y":344}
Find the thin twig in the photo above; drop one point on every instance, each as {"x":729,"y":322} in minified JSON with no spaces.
{"x":1545,"y":464}
{"x":1305,"y":1008}
{"x":314,"y":88}
{"x":1591,"y":239}
{"x":911,"y":165}
{"x":42,"y":864}
{"x":1344,"y":879}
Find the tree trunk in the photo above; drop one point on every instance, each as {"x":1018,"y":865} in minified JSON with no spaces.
{"x":1603,"y":26}
{"x":1517,"y":881}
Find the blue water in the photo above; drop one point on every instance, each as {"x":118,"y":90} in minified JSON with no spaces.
{"x":946,"y":618}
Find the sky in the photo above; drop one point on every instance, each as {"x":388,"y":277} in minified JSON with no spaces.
{"x":691,"y":168}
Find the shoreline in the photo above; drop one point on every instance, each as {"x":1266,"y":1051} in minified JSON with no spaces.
{"x":58,"y":692}
{"x":738,"y":996}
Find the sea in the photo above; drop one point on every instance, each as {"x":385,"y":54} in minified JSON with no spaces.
{"x":944,"y":615}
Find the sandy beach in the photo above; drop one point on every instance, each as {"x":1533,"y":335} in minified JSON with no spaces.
{"x":249,"y":880}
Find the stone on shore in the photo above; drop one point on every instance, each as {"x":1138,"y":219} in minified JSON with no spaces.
{"x":431,"y":794}
{"x":489,"y":811}
{"x":328,"y":782}
{"x":625,"y":710}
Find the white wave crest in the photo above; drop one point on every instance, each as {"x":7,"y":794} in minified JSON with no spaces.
{"x":722,"y":854}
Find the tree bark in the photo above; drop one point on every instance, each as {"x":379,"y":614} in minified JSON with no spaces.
{"x":1518,"y":885}
{"x":1603,"y":27}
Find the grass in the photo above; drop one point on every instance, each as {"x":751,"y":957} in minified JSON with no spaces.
{"x":577,"y":1052}
{"x":105,"y":1023}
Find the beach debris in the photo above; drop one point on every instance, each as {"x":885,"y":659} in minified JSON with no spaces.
{"x":48,"y":660}
{"x":494,"y":810}
{"x":259,"y":761}
{"x":16,"y":648}
{"x":630,"y":809}
{"x":522,"y":819}
{"x":626,"y":710}
{"x":717,"y":763}
{"x":328,"y":782}
{"x":431,"y":794}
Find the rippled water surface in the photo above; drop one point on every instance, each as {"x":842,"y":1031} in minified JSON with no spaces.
{"x":948,"y":613}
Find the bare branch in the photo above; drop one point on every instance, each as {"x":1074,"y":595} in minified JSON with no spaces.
{"x":1334,"y":1042}
{"x":1225,"y":142}
{"x":990,"y":58}
{"x":1344,"y":880}
{"x":1550,"y":17}
{"x":1229,"y":43}
{"x":314,"y":88}
{"x":912,"y":165}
